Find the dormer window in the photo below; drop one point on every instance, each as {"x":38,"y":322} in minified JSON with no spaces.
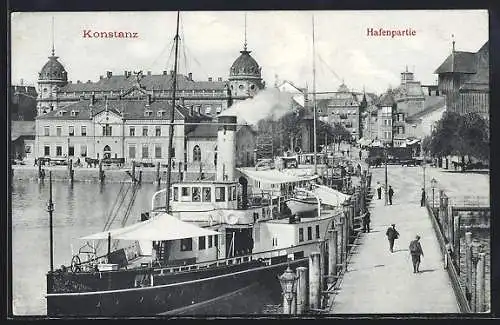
{"x":74,"y":113}
{"x":160,"y":113}
{"x":61,"y":113}
{"x":148,"y":113}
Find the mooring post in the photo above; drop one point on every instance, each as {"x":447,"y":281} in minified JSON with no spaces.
{"x":302,"y":290}
{"x":332,"y":256}
{"x":314,"y":280}
{"x":456,"y":241}
{"x":158,"y":179}
{"x":468,"y":266}
{"x":71,"y":171}
{"x":480,"y":283}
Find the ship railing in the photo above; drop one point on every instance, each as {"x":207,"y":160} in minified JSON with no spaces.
{"x":264,"y":257}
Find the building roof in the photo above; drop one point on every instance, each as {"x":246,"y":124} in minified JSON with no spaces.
{"x":431,"y":104}
{"x":480,"y":79}
{"x":149,"y":82}
{"x":53,"y":70}
{"x":245,"y":65}
{"x":409,"y":89}
{"x":22,"y":128}
{"x":463,"y":63}
{"x":131,"y":109}
{"x":387,"y":99}
{"x":210,"y":130}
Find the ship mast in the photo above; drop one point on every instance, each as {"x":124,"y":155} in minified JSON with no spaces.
{"x":314,"y":101}
{"x":172,"y":117}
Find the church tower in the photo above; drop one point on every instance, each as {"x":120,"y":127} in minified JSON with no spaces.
{"x":245,"y":78}
{"x":50,"y":79}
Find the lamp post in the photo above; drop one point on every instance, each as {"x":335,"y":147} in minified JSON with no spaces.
{"x":423,"y":168}
{"x":433,"y":186}
{"x":385,"y":166}
{"x":288,"y":281}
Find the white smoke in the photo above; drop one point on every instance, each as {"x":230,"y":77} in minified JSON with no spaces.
{"x":268,"y":103}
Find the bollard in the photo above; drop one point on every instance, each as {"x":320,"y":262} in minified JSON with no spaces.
{"x":158,"y":179}
{"x":468,"y":266}
{"x":456,"y":241}
{"x":314,"y":280}
{"x":480,"y":283}
{"x":302,"y":290}
{"x":332,"y":256}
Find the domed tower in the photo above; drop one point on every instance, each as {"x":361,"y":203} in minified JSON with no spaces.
{"x":50,"y":79}
{"x":245,"y":75}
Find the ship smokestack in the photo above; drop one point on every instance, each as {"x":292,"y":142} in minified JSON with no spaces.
{"x":226,"y":146}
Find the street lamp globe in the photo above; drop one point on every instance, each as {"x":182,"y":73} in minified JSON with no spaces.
{"x":288,"y":281}
{"x":433,"y":183}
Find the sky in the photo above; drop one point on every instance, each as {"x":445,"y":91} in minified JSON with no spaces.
{"x":280,"y":41}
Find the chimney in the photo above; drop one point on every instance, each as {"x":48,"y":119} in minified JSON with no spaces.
{"x":226,"y":148}
{"x":190,"y":76}
{"x":92,"y":100}
{"x":164,"y":72}
{"x":78,"y":81}
{"x":149,"y":73}
{"x":149,"y":100}
{"x":22,"y":81}
{"x":219,"y":79}
{"x":109,"y":74}
{"x":210,"y":79}
{"x":125,"y":73}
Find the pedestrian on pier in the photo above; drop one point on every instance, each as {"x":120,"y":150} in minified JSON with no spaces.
{"x":366,"y":221}
{"x":392,"y":234}
{"x":391,"y":194}
{"x":379,"y":190}
{"x":360,"y":154}
{"x":416,"y":251}
{"x":422,"y":200}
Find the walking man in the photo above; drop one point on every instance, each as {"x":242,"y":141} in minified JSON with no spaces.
{"x":391,"y":193}
{"x":360,"y":154}
{"x":392,"y":234}
{"x":379,"y":190}
{"x":366,"y":221}
{"x":422,"y":200}
{"x":416,"y":251}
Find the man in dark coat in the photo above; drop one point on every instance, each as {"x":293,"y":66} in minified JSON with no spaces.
{"x":379,"y":190}
{"x":422,"y":200}
{"x":366,"y":221}
{"x":391,"y":193}
{"x":360,"y":154}
{"x":416,"y":251}
{"x":392,"y":234}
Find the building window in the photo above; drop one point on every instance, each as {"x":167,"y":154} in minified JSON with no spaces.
{"x":158,"y":131}
{"x":46,"y":150}
{"x":208,"y":110}
{"x":201,"y":243}
{"x":172,"y":153}
{"x":309,"y":233}
{"x":83,"y":150}
{"x":218,"y":109}
{"x":71,"y":151}
{"x":157,"y":150}
{"x":131,"y":151}
{"x":317,"y":231}
{"x":220,"y":194}
{"x":145,"y":131}
{"x":58,"y":151}
{"x":46,"y":131}
{"x":210,"y":241}
{"x":106,"y":130}
{"x":207,"y":194}
{"x":185,"y":191}
{"x":301,"y":234}
{"x":186,"y":244}
{"x":196,"y":194}
{"x":176,"y":194}
{"x":71,"y":131}
{"x":84,"y":131}
{"x":131,"y":131}
{"x":58,"y":131}
{"x":196,"y":153}
{"x":145,"y":151}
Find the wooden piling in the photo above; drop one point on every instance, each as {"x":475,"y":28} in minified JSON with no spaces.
{"x":332,"y":256}
{"x":314,"y":280}
{"x":480,"y":283}
{"x":302,"y":290}
{"x":468,"y":266}
{"x":71,"y":171}
{"x":456,"y":241}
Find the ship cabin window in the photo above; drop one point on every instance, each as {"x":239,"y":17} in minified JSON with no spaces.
{"x":301,"y":234}
{"x":201,"y":243}
{"x":210,"y":241}
{"x":185,"y":191}
{"x":207,"y":194}
{"x":220,"y":194}
{"x":309,"y":233}
{"x":232,"y":195}
{"x":196,"y":196}
{"x":186,"y":244}
{"x":317,"y":231}
{"x":176,"y":194}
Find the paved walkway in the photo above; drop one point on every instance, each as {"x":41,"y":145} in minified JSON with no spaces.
{"x":380,"y":282}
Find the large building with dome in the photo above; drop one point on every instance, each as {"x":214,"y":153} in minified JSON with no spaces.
{"x":127,"y":115}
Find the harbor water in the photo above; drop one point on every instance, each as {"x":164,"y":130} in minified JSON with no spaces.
{"x":82,"y":209}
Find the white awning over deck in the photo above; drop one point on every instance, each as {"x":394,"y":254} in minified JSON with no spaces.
{"x":160,"y":227}
{"x":329,"y":196}
{"x":274,"y":176}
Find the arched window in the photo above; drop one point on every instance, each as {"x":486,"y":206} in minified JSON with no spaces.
{"x":196,"y":153}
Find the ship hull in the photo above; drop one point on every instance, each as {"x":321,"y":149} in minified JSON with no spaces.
{"x":162,"y":299}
